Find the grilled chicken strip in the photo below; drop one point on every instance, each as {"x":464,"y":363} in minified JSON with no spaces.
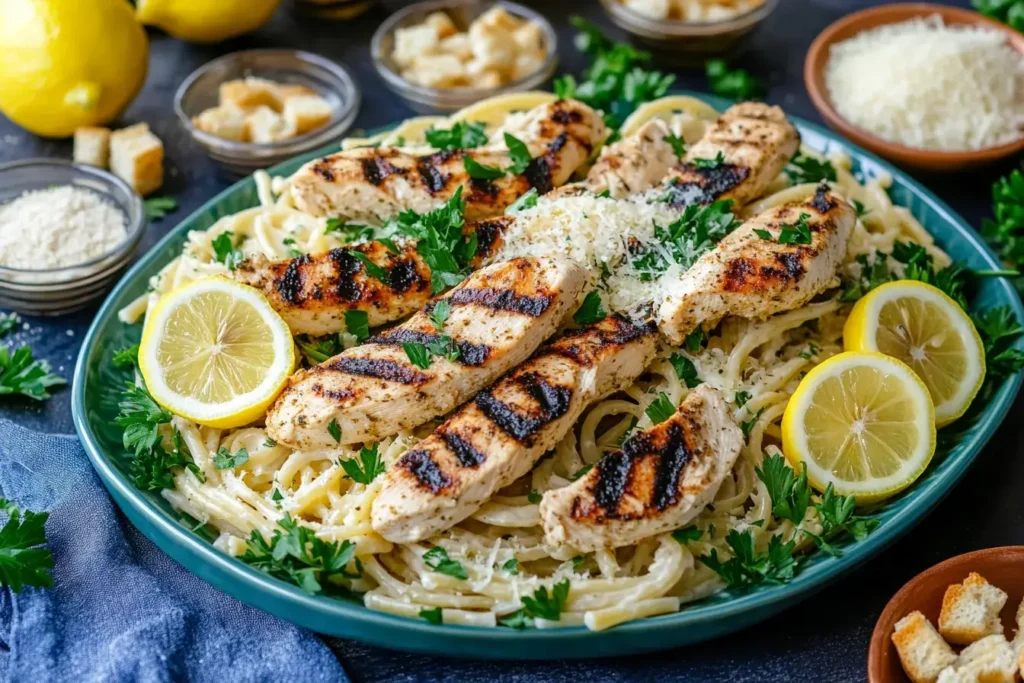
{"x":313,"y":293}
{"x":631,"y":165}
{"x":497,"y":438}
{"x":752,"y":277}
{"x":498,"y":317}
{"x":375,"y":184}
{"x":661,"y":479}
{"x":755,"y":142}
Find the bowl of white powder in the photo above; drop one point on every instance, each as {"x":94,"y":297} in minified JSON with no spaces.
{"x":66,"y":232}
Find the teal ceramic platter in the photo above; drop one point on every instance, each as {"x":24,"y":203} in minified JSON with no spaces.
{"x":97,"y":390}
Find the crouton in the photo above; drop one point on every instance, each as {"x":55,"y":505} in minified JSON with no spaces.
{"x":493,"y":46}
{"x":458,"y":46}
{"x":437,"y":71}
{"x":286,"y":91}
{"x":970,"y":610}
{"x":225,"y":121}
{"x":307,"y":113}
{"x":989,"y":660}
{"x":250,"y":93}
{"x":414,"y":41}
{"x":137,"y":157}
{"x":442,"y":23}
{"x":498,"y":18}
{"x":529,"y":37}
{"x":922,"y":651}
{"x":266,"y":125}
{"x":92,"y":146}
{"x":527,"y":63}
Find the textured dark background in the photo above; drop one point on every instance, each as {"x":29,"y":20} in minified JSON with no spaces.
{"x":822,"y":639}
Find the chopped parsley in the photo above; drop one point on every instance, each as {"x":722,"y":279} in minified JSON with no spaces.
{"x":440,"y":241}
{"x":741,"y":398}
{"x":437,"y":559}
{"x":372,"y":466}
{"x":694,"y":340}
{"x":791,"y":233}
{"x":581,"y":472}
{"x":748,"y":568}
{"x":710,"y":163}
{"x":24,"y":559}
{"x":748,"y":425}
{"x":660,"y":409}
{"x":432,"y":615}
{"x":998,"y":330}
{"x":318,"y":349}
{"x":1010,"y":12}
{"x":1005,"y":230}
{"x":860,"y":209}
{"x":541,"y":605}
{"x":226,"y":251}
{"x":808,"y":169}
{"x":686,"y":371}
{"x":678,"y":145}
{"x":8,"y":321}
{"x":372,"y":269}
{"x":269,"y":443}
{"x":156,"y":208}
{"x":334,"y":430}
{"x":152,"y":466}
{"x":511,"y":566}
{"x":417,"y":354}
{"x":421,"y":355}
{"x":534,"y":496}
{"x":462,"y":135}
{"x":438,"y":316}
{"x":590,"y":311}
{"x":126,"y":357}
{"x":687,"y":534}
{"x":519,"y":153}
{"x":527,"y":200}
{"x":736,"y":84}
{"x":292,"y":251}
{"x":357,"y":323}
{"x":684,"y":241}
{"x":295,"y":554}
{"x":478,"y":171}
{"x":350,"y":232}
{"x":790,"y":494}
{"x":225,"y":460}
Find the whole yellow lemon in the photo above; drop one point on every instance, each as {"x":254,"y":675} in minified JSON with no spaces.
{"x":69,"y":63}
{"x":206,"y":21}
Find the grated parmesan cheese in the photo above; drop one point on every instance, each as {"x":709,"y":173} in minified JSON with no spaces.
{"x":923,"y":84}
{"x":58,"y":227}
{"x":600,"y":234}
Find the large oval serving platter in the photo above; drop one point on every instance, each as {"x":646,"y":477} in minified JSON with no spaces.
{"x":97,"y":391}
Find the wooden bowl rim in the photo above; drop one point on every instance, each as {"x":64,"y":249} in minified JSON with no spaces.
{"x":974,"y":561}
{"x":873,"y":17}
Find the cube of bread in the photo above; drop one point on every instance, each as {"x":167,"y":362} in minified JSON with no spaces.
{"x":286,"y":91}
{"x":265,"y":125}
{"x":970,"y":610}
{"x":488,"y":78}
{"x":527,"y":63}
{"x":92,"y":146}
{"x":438,"y":71}
{"x":989,"y":660}
{"x":413,"y":42}
{"x":442,"y":23}
{"x":250,"y":93}
{"x":307,"y":112}
{"x":659,"y":9}
{"x":457,"y":45}
{"x":529,"y":37}
{"x":498,"y":18}
{"x":137,"y":157}
{"x":225,"y":121}
{"x":493,"y":47}
{"x":923,"y":652}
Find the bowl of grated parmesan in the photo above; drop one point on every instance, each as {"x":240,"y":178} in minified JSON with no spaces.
{"x":67,"y":231}
{"x":927,"y":86}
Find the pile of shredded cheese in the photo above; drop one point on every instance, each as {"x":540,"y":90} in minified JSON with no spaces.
{"x":923,"y":84}
{"x":58,"y":227}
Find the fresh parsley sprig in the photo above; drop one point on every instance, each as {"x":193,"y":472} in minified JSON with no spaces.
{"x":126,"y":357}
{"x":478,"y":171}
{"x":791,"y":233}
{"x":318,"y":349}
{"x":686,"y":371}
{"x":590,"y":311}
{"x":369,"y":467}
{"x":357,"y":323}
{"x":226,"y":460}
{"x":747,"y":567}
{"x":527,"y":200}
{"x":152,"y":466}
{"x":21,"y":373}
{"x":519,"y":153}
{"x":685,"y":240}
{"x":440,"y":241}
{"x":462,"y":135}
{"x":24,"y":559}
{"x":156,"y":208}
{"x":708,"y":164}
{"x":350,"y":232}
{"x":541,"y":605}
{"x":437,"y":559}
{"x":660,"y":409}
{"x":1010,"y":12}
{"x":1005,"y":230}
{"x":736,"y":84}
{"x":226,"y":251}
{"x":807,"y":169}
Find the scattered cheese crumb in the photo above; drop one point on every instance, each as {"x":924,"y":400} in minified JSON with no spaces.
{"x":926,"y":85}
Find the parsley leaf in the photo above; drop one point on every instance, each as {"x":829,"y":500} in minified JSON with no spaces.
{"x":748,"y":425}
{"x":126,"y":357}
{"x":534,"y":496}
{"x":872,"y":275}
{"x":511,"y":566}
{"x":437,"y":559}
{"x":372,"y":466}
{"x":660,"y":409}
{"x":226,"y":251}
{"x":23,"y":560}
{"x":317,"y":350}
{"x":686,"y":371}
{"x":546,"y":605}
{"x":998,"y":330}
{"x":478,"y":171}
{"x":791,"y":233}
{"x":807,"y":169}
{"x":462,"y":135}
{"x":440,"y":241}
{"x":224,"y":460}
{"x":1005,"y":230}
{"x":21,"y":373}
{"x":372,"y":269}
{"x":351,"y":232}
{"x":697,"y":231}
{"x":519,"y":153}
{"x":517,"y":620}
{"x":334,"y":430}
{"x":269,"y":443}
{"x":442,"y":309}
{"x":678,"y":145}
{"x":687,"y":534}
{"x":590,"y":311}
{"x":835,"y":513}
{"x":748,"y":568}
{"x":8,"y":321}
{"x":1010,"y":12}
{"x":741,"y":398}
{"x":860,"y":209}
{"x":357,"y":323}
{"x":417,"y":354}
{"x":297,"y":555}
{"x":432,"y":615}
{"x":694,"y":340}
{"x":918,"y":265}
{"x":527,"y":200}
{"x":156,"y":208}
{"x":152,"y":466}
{"x":710,"y":163}
{"x":736,"y":84}
{"x":790,"y":494}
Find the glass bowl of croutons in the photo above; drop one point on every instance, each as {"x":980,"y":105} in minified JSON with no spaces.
{"x":256,"y":108}
{"x":444,"y":55}
{"x":692,"y":28}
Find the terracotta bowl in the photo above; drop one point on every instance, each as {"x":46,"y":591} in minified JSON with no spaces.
{"x":847,"y":27}
{"x":1002,"y":567}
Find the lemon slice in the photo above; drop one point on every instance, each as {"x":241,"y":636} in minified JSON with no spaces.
{"x":409,"y":132}
{"x":862,"y":422}
{"x":216,"y":353}
{"x":686,"y":116}
{"x":928,"y":331}
{"x":494,"y":110}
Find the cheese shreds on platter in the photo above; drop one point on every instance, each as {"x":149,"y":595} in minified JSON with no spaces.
{"x":929,"y":85}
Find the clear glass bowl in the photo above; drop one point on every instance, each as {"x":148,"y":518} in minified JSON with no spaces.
{"x":61,"y":290}
{"x":332,"y":81}
{"x":692,"y":40}
{"x":433,"y":100}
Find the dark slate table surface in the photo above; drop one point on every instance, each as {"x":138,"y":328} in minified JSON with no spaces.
{"x":824,"y":638}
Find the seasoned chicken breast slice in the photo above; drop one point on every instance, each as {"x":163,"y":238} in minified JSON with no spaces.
{"x":752,"y":277}
{"x":755,"y":142}
{"x":375,"y":184}
{"x":313,"y":292}
{"x":631,"y":165}
{"x":660,"y":480}
{"x":499,"y":436}
{"x":498,"y":317}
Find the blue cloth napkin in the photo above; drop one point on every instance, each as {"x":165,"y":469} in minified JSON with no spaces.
{"x":120,"y":609}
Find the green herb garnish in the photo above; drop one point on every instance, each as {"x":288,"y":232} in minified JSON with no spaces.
{"x":686,"y":371}
{"x":225,"y":460}
{"x":369,"y":467}
{"x":126,"y":357}
{"x":519,"y":153}
{"x":684,"y":241}
{"x":462,"y":135}
{"x":295,"y":554}
{"x":357,"y":323}
{"x":736,"y":84}
{"x":437,"y":559}
{"x":334,"y":429}
{"x":660,"y":409}
{"x":590,"y":311}
{"x":226,"y":251}
{"x":24,"y":559}
{"x":156,"y":208}
{"x":807,"y":169}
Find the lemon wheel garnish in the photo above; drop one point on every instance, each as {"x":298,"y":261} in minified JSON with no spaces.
{"x":918,"y":324}
{"x":216,"y":353}
{"x":679,"y":111}
{"x":862,"y":422}
{"x":494,"y":110}
{"x":409,"y":132}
